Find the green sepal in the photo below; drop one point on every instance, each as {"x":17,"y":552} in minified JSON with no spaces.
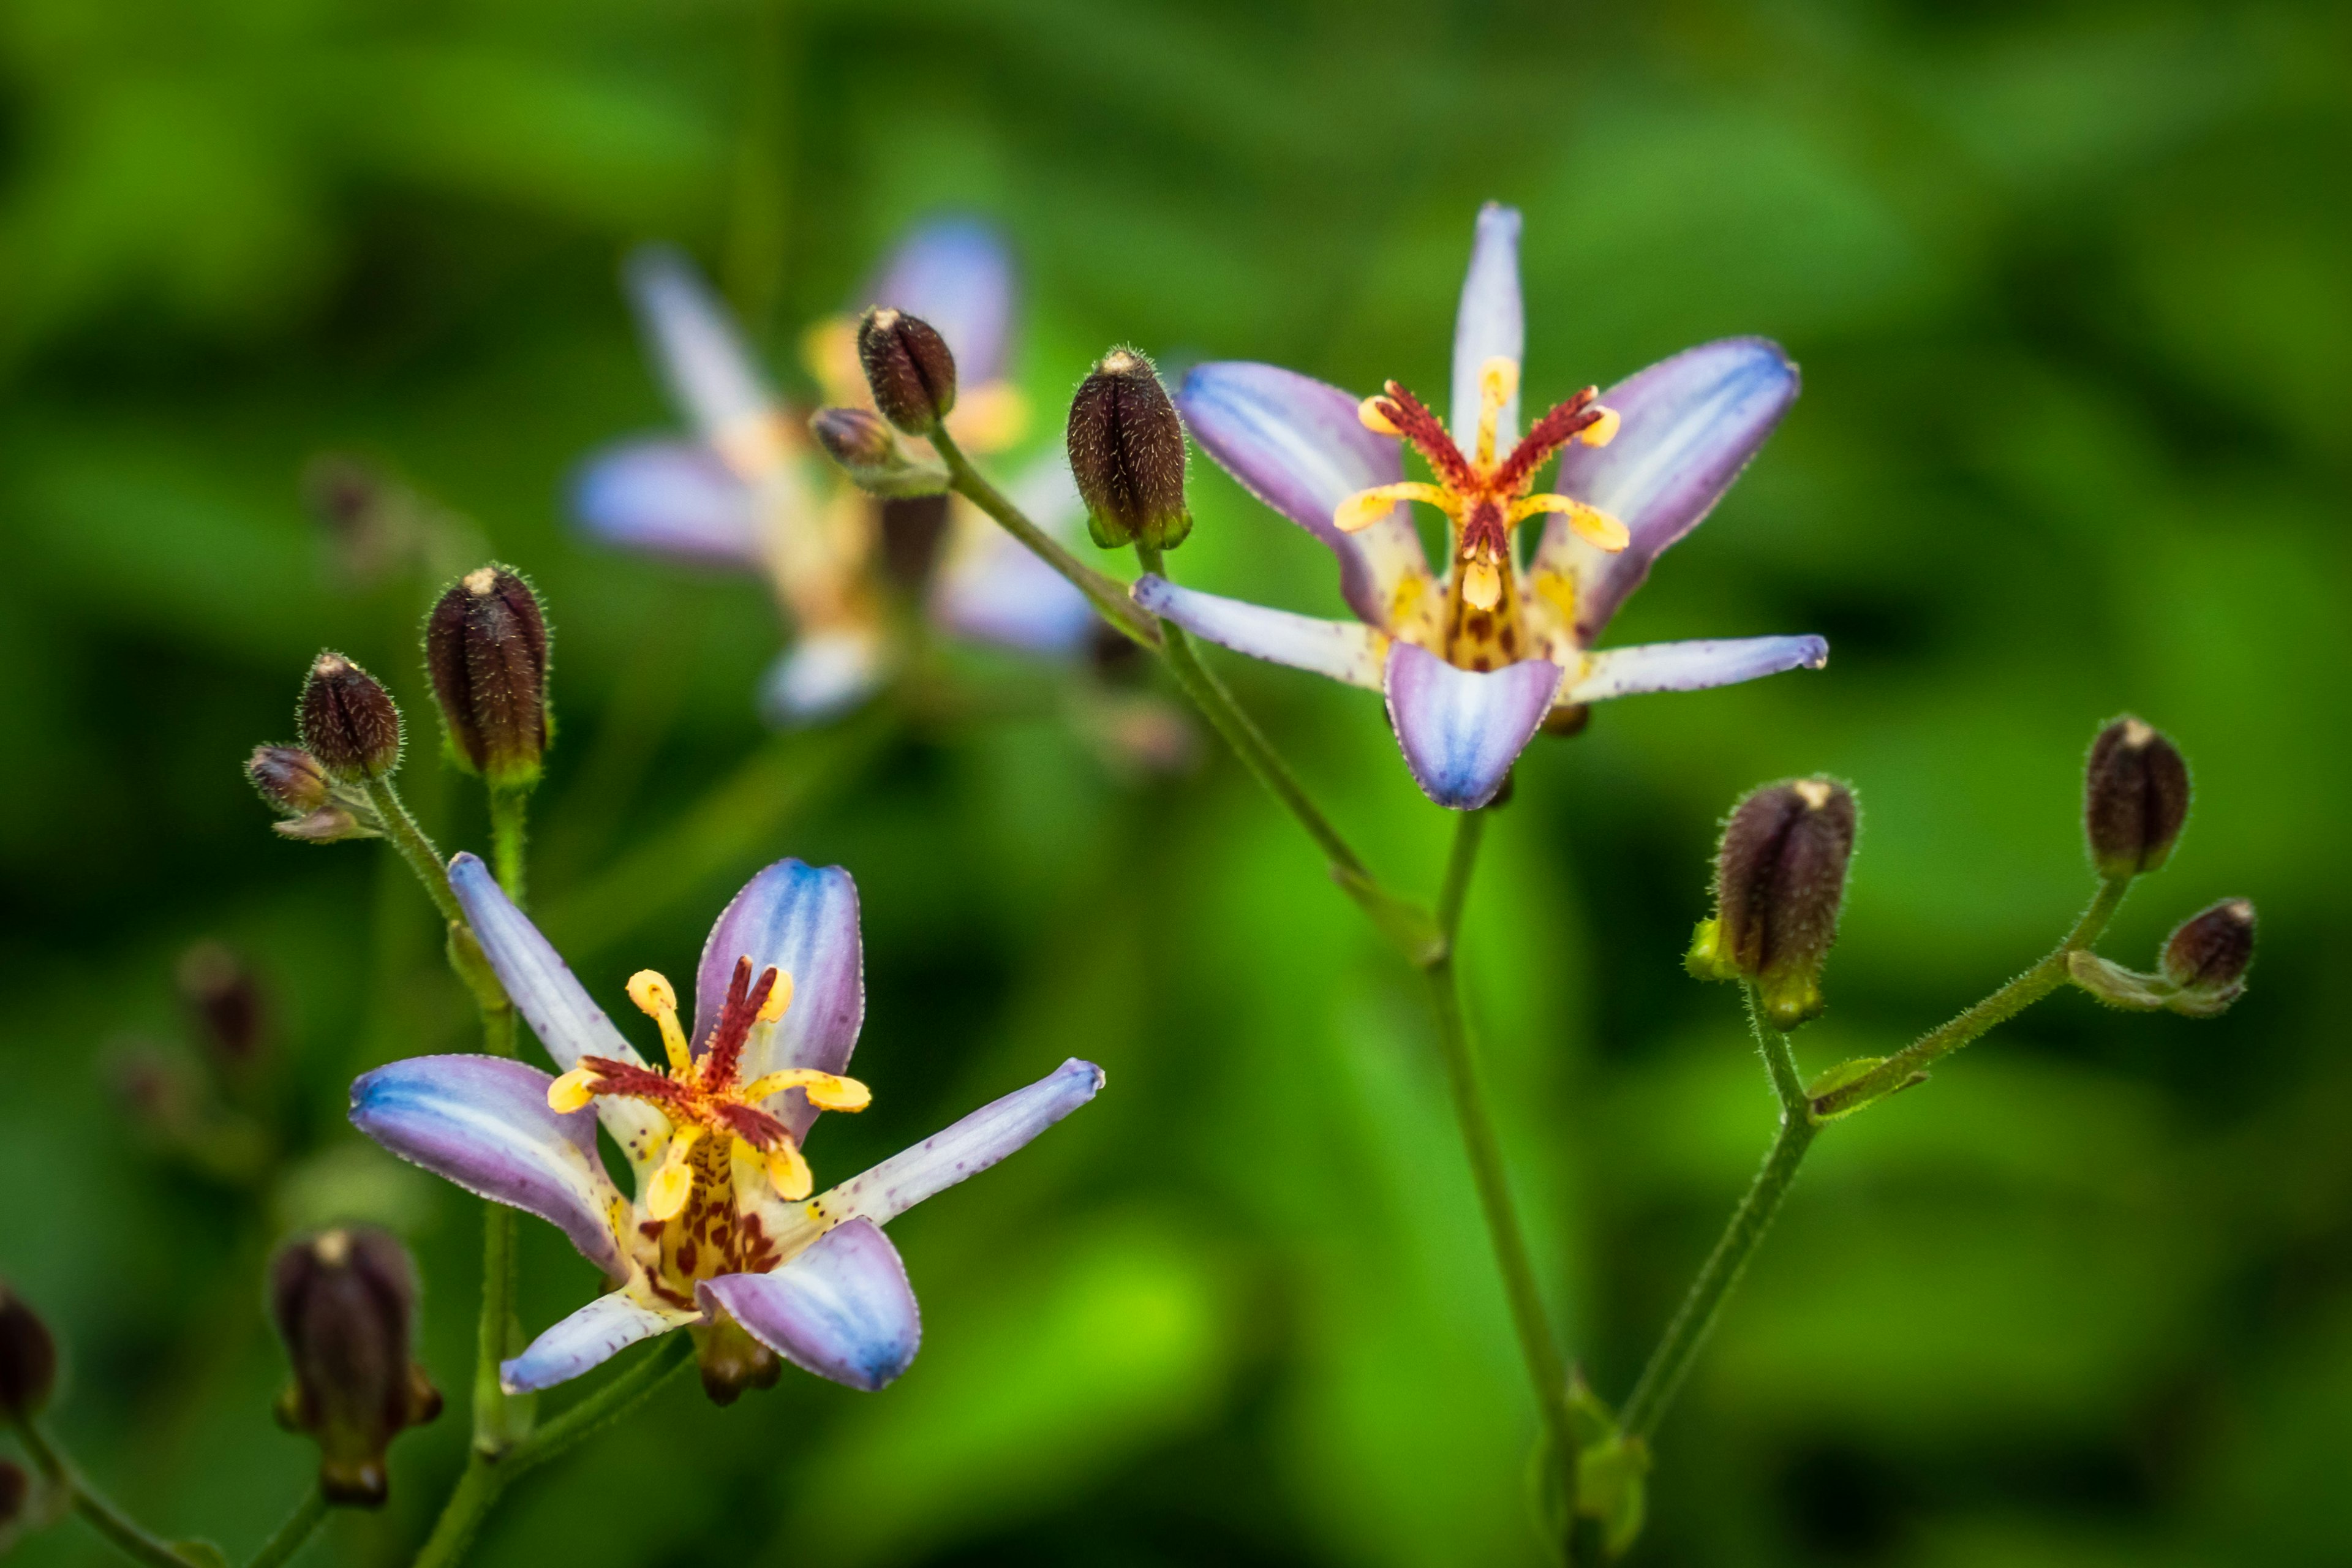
{"x":2117,"y":986}
{"x":1791,"y":999}
{"x":1413,"y":929}
{"x":1612,"y":1488}
{"x":1107,"y":532}
{"x":1706,"y":960}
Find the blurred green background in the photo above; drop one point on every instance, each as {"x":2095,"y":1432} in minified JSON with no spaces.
{"x":2071,"y":296}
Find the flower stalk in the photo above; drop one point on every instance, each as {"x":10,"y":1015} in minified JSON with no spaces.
{"x":122,"y":1532}
{"x":295,"y":1533}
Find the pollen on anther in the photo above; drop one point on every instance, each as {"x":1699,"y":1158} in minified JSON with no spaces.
{"x":1603,"y":428}
{"x":653,"y":992}
{"x":778,"y":998}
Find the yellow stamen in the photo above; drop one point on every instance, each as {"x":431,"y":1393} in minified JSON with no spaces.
{"x":1369,"y":414}
{"x":671,"y":1185}
{"x":788,"y":1172}
{"x":825,"y":1090}
{"x":1498,"y":378}
{"x":989,"y":418}
{"x":1601,"y":431}
{"x":657,"y":999}
{"x":1482,"y":584}
{"x":1365,"y":507}
{"x":1597,"y":526}
{"x":778,"y":999}
{"x":570,"y":1091}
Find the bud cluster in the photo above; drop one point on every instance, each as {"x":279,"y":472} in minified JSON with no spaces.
{"x":316,"y":808}
{"x":486,"y":648}
{"x":1780,"y":881}
{"x":343,"y":1301}
{"x":1127,"y":452}
{"x":873,"y":457}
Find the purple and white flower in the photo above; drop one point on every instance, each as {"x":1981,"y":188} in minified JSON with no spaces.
{"x":747,"y":490}
{"x":1474,"y":658}
{"x":722,"y":1234}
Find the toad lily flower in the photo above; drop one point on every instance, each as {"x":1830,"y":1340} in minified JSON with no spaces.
{"x":750,"y":491}
{"x":722,"y":1237}
{"x":1475,"y":658}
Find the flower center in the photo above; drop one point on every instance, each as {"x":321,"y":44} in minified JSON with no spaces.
{"x":1484,"y":497}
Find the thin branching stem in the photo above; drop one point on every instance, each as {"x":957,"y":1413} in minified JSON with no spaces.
{"x":121,"y":1530}
{"x":295,"y":1533}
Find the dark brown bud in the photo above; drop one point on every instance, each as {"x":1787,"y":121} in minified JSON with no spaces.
{"x":871,"y":454}
{"x":2211,"y":951}
{"x":343,"y":1300}
{"x":912,"y":532}
{"x":16,"y":1490}
{"x":29,"y":1359}
{"x":288,"y":778}
{"x":732,"y":1360}
{"x":348,"y":720}
{"x":227,"y":1001}
{"x":1127,"y":452}
{"x":909,"y":369}
{"x":2135,"y":798}
{"x":1779,"y":883}
{"x":486,"y":647}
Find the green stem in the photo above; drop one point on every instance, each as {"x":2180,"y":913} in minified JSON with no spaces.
{"x":510,"y":809}
{"x":1547,"y":1372}
{"x":291,"y":1535}
{"x":1107,"y":594}
{"x":409,"y":839}
{"x":1694,"y":1319}
{"x":486,"y":1477}
{"x":501,"y":1420}
{"x":1996,"y":1009}
{"x":120,"y":1529}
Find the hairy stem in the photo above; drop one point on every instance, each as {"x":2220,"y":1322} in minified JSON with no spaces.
{"x":293,"y":1535}
{"x":509,"y":811}
{"x":409,"y":839}
{"x":121,"y":1530}
{"x":1107,"y":594}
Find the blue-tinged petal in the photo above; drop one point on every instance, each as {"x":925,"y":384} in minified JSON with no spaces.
{"x":1344,"y":650}
{"x":969,"y":1147}
{"x":556,"y":1007}
{"x":1492,"y":323}
{"x":956,"y":274}
{"x":693,"y":338}
{"x":802,"y":920}
{"x":842,"y":1309}
{"x":587,"y":1339}
{"x":1297,"y":445}
{"x":484,"y":1123}
{"x":673,"y":498}
{"x":1462,"y":729}
{"x":828,"y":671}
{"x":1692,"y":666}
{"x":1691,"y":423}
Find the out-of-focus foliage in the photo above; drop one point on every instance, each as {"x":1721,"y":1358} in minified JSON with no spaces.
{"x":2068,"y":283}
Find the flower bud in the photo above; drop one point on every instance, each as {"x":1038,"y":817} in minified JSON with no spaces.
{"x":1779,"y":880}
{"x":1127,"y":452}
{"x":16,"y":1490}
{"x":342,"y":1300}
{"x":288,"y":778}
{"x":2135,"y":798}
{"x":227,"y":1001}
{"x":909,"y":369}
{"x":2209,"y":955}
{"x":486,"y":648}
{"x":348,"y":720}
{"x":29,"y":1359}
{"x":871,"y":454}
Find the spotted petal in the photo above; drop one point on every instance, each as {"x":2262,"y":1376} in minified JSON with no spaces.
{"x":693,"y":341}
{"x":1492,"y":323}
{"x":672,"y":498}
{"x":966,"y":1149}
{"x":1692,"y":666}
{"x":1691,"y":423}
{"x":1297,"y":445}
{"x":956,"y":274}
{"x":484,"y":1123}
{"x":842,"y":1309}
{"x":556,"y":1007}
{"x":1344,"y":650}
{"x":587,"y":1339}
{"x":802,"y":920}
{"x":828,"y":671}
{"x":1462,"y":729}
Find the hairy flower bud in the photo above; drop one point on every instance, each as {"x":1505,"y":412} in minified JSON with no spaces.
{"x":2209,"y":955}
{"x":226,"y":1000}
{"x":343,"y":1301}
{"x":348,"y":720}
{"x":29,"y":1359}
{"x":1127,"y":452}
{"x":873,"y":457}
{"x":1780,"y":881}
{"x":288,"y":778}
{"x":909,"y":369}
{"x":486,"y":648}
{"x":2135,"y":798}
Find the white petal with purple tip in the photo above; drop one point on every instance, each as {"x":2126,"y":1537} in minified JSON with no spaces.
{"x":1692,"y":666}
{"x":1344,"y":650}
{"x":842,"y":1309}
{"x":701,"y":353}
{"x":1691,"y":423}
{"x":1297,"y":445}
{"x":802,"y":920}
{"x":587,"y":1339}
{"x":484,"y":1123}
{"x":956,"y":274}
{"x":672,"y":498}
{"x":969,"y":1147}
{"x":1462,"y":729}
{"x":1492,"y":323}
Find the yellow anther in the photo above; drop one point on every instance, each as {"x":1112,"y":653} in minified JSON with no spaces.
{"x":780,"y":998}
{"x":788,"y":1172}
{"x":1595,"y":526}
{"x":1365,"y":507}
{"x":826,"y":1091}
{"x":657,"y":999}
{"x":572,"y":1091}
{"x":1498,"y":380}
{"x":1369,"y":414}
{"x":1482,"y":584}
{"x":672,"y":1184}
{"x":1601,"y":431}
